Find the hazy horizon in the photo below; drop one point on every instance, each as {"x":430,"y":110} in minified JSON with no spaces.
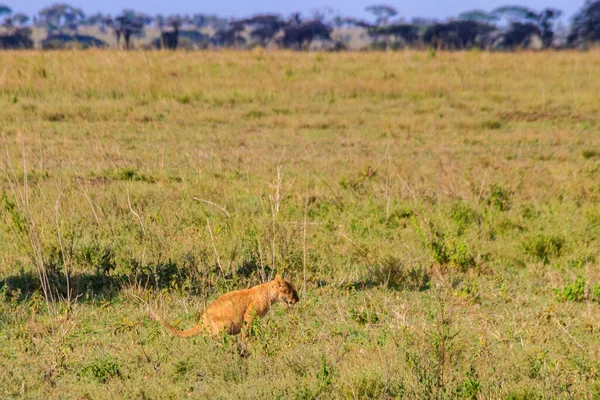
{"x":242,"y":8}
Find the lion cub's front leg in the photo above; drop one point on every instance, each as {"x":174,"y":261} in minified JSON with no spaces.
{"x":250,"y":316}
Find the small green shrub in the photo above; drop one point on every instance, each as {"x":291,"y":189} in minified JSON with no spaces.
{"x":579,"y":291}
{"x":373,"y":386}
{"x":596,"y":292}
{"x":447,"y":250}
{"x":398,"y":218}
{"x":460,"y":257}
{"x":364,"y":316}
{"x":357,"y":182}
{"x":182,"y":368}
{"x":468,"y":388}
{"x":529,"y":212}
{"x":102,"y":370}
{"x":544,"y":247}
{"x":524,"y":394}
{"x":463,"y":216}
{"x":590,"y":154}
{"x":499,"y":198}
{"x":506,"y":225}
{"x":128,"y":174}
{"x":468,"y":291}
{"x":185,"y":99}
{"x":580,"y":262}
{"x":492,"y":124}
{"x":573,"y":292}
{"x":325,"y":374}
{"x":162,"y":275}
{"x":55,"y":116}
{"x":304,"y":393}
{"x":98,"y":257}
{"x":393,"y":273}
{"x":16,"y":216}
{"x":255,"y":114}
{"x":438,"y":247}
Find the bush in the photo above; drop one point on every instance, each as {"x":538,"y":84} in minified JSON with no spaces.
{"x":102,"y":370}
{"x":446,"y":250}
{"x":499,"y":198}
{"x":374,"y":386}
{"x":578,"y":291}
{"x":544,"y":247}
{"x":98,"y":257}
{"x":393,"y":273}
{"x":590,"y":154}
{"x":463,"y":216}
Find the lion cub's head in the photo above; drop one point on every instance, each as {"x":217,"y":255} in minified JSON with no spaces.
{"x":285,"y":290}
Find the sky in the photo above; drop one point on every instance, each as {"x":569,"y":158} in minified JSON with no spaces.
{"x":241,"y":8}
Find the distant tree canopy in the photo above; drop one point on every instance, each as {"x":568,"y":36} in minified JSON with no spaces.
{"x":5,"y":10}
{"x":478,"y":16}
{"x":402,"y":34}
{"x":66,"y":41}
{"x":5,"y":16}
{"x":524,"y":20}
{"x":126,"y":25}
{"x":299,"y":34}
{"x":382,"y":12}
{"x":264,"y":27}
{"x":18,"y":39}
{"x":504,"y":28}
{"x":17,"y":35}
{"x":586,"y":24}
{"x":60,"y":17}
{"x":20,"y":19}
{"x":230,"y":36}
{"x":170,"y":39}
{"x":457,"y":35}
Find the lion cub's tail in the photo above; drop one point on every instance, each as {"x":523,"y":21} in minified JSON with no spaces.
{"x":196,"y":330}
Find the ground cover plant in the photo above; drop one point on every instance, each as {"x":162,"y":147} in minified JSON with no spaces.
{"x":437,"y":212}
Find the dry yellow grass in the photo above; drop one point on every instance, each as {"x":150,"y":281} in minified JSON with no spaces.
{"x":439,"y":213}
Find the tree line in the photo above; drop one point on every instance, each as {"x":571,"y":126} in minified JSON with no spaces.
{"x":505,"y":28}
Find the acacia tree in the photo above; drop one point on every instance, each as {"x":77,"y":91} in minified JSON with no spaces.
{"x":299,"y":34}
{"x":523,"y":19}
{"x":170,"y":39}
{"x":6,"y":11}
{"x":403,"y":34}
{"x":17,"y":21}
{"x":586,"y":24}
{"x":97,"y":19}
{"x":20,"y":19}
{"x":355,"y":22}
{"x":263,"y":27}
{"x":478,"y":16}
{"x":61,"y":16}
{"x":383,"y":13}
{"x":457,"y":35}
{"x":231,"y":36}
{"x":18,"y":35}
{"x":127,"y":24}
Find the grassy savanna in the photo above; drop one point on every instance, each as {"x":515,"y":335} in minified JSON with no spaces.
{"x":438,"y":213}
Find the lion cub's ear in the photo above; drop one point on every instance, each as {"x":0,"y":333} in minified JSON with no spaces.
{"x":278,"y":278}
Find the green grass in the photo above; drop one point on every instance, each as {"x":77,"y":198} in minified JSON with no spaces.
{"x":438,"y":215}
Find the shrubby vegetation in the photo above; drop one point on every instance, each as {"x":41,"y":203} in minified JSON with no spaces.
{"x":505,"y":28}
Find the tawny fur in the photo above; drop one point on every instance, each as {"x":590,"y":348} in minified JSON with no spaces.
{"x":229,"y":313}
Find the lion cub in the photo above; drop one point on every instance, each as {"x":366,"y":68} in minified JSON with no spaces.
{"x":229,"y":312}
